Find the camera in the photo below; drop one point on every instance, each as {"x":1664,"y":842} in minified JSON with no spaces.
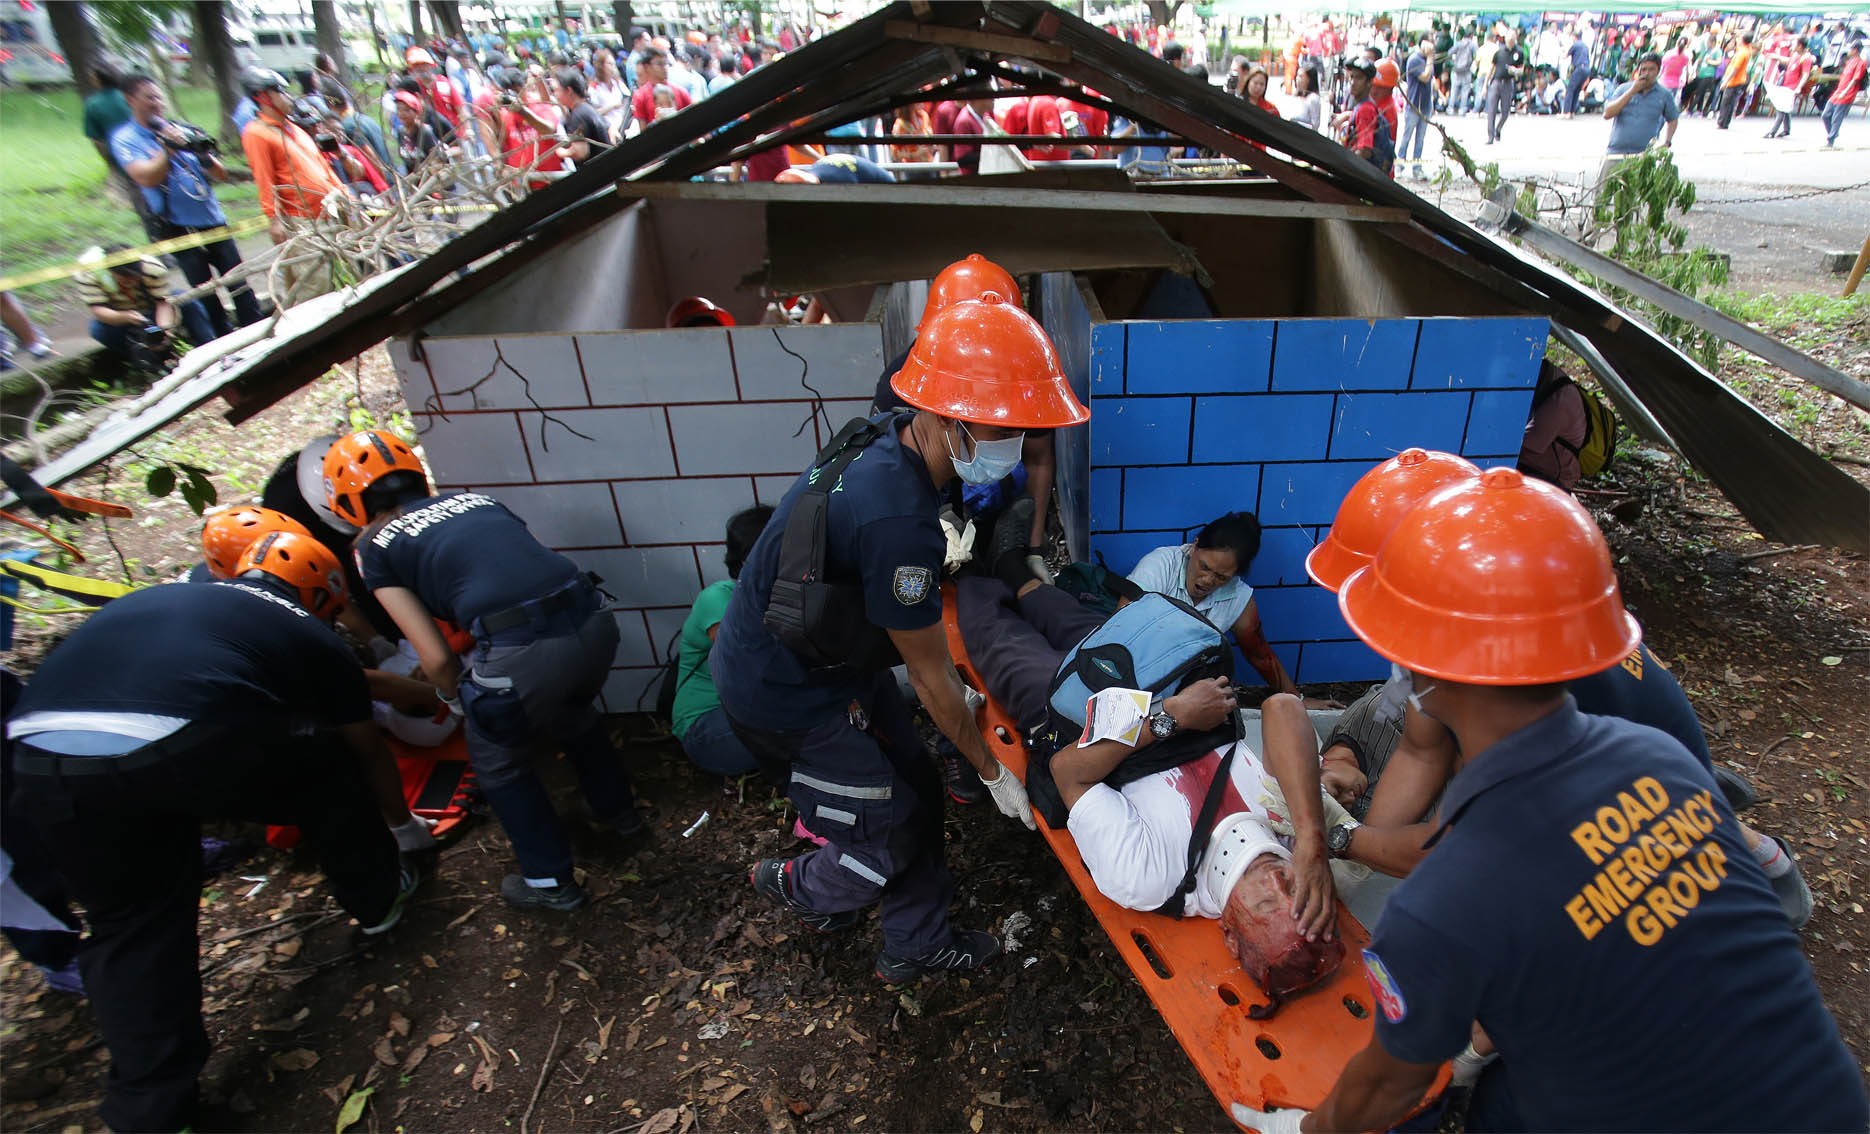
{"x":194,"y":139}
{"x":151,"y":349}
{"x":326,"y":142}
{"x":507,"y":99}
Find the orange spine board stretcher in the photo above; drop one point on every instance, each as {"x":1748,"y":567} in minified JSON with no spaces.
{"x":1291,"y":1060}
{"x":437,"y":784}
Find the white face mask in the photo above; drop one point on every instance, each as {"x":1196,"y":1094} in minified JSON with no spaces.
{"x":991,"y":461}
{"x":1399,"y":691}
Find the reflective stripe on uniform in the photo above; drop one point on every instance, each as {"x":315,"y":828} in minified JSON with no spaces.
{"x":836,"y":816}
{"x":862,"y":871}
{"x":830,"y":788}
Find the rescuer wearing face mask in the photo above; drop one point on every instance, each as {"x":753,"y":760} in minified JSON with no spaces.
{"x":842,"y":584}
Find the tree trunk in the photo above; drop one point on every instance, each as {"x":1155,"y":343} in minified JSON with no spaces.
{"x":215,"y":48}
{"x":448,"y":18}
{"x":1162,"y":12}
{"x":77,"y":41}
{"x":624,"y":13}
{"x":415,"y":21}
{"x":376,"y":33}
{"x":752,"y":10}
{"x":331,"y":37}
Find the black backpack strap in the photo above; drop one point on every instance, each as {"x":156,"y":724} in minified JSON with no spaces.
{"x":802,"y":552}
{"x":1198,"y":837}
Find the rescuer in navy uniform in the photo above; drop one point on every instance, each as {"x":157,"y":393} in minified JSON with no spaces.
{"x":801,"y":661}
{"x":543,"y":645}
{"x":1590,"y":902}
{"x":224,"y":700}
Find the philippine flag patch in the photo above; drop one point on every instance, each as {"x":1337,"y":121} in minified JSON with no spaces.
{"x":1383,"y":986}
{"x":912,"y":584}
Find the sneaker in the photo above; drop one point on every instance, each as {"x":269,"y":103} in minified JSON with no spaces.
{"x":562,"y":898}
{"x":959,"y":777}
{"x":772,"y":879}
{"x":1006,"y":558}
{"x":1740,"y":794}
{"x":628,"y":825}
{"x":39,"y":348}
{"x":970,"y":949}
{"x":1795,"y":897}
{"x":411,"y":877}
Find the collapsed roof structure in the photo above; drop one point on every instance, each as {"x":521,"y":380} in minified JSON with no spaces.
{"x":915,"y":51}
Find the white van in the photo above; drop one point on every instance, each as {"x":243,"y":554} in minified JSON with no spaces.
{"x":287,"y":49}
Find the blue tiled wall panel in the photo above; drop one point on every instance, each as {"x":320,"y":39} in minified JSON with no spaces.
{"x":1497,"y":422}
{"x":1139,"y":431}
{"x":1343,"y":354}
{"x":1306,"y":493}
{"x":1264,"y":427}
{"x":1288,"y":653}
{"x":1106,"y":500}
{"x":1107,"y":359}
{"x":1199,"y":356}
{"x":1121,"y":550}
{"x":1282,"y":557}
{"x":1340,"y":661}
{"x":1186,"y":497}
{"x":1298,"y":614}
{"x":1375,"y":427}
{"x":1459,"y":354}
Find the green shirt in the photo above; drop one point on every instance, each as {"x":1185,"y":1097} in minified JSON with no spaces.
{"x":694,"y":685}
{"x":103,"y":113}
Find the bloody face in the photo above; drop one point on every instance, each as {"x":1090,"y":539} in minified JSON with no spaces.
{"x":1260,"y":932}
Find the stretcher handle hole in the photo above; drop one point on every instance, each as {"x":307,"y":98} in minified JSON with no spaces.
{"x":1267,"y":1047}
{"x":1148,"y":948}
{"x":1355,"y":1007}
{"x":1228,"y":996}
{"x":1000,"y":731}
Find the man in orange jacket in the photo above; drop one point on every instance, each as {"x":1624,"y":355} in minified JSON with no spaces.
{"x":293,"y":177}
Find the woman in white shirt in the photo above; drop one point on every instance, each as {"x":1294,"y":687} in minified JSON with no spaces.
{"x":609,"y":97}
{"x":1311,"y":108}
{"x":1206,"y":574}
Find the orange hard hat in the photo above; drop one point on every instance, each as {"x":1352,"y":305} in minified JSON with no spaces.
{"x":1388,"y":74}
{"x":986,"y":361}
{"x":696,"y":311}
{"x":302,"y":563}
{"x":417,"y":56}
{"x":1499,"y":580}
{"x":966,"y":279}
{"x":227,"y":535}
{"x":354,"y":463}
{"x":1372,"y":507}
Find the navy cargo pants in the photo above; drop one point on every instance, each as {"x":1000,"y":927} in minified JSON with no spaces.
{"x":1016,"y":644}
{"x":863,"y":782}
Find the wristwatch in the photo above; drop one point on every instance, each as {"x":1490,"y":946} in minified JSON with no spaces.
{"x":1163,"y":725}
{"x":1338,"y":838}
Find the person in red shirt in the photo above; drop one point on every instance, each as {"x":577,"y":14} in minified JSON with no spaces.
{"x":652,"y":70}
{"x":1092,"y":122}
{"x":1042,"y":117}
{"x":1013,"y":116}
{"x":1255,"y":93}
{"x":1850,"y":81}
{"x":1370,"y":124}
{"x":1785,"y":95}
{"x":437,"y":90}
{"x":971,"y":119}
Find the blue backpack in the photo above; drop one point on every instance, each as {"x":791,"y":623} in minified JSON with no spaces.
{"x":1156,"y":643}
{"x":1383,"y":143}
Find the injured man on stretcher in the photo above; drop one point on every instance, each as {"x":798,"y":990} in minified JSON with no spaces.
{"x":1263,"y":870}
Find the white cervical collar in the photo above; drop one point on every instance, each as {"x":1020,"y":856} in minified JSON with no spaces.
{"x":1237,"y":841}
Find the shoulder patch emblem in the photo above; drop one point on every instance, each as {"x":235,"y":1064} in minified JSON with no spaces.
{"x":1383,"y":986}
{"x":911,"y":585}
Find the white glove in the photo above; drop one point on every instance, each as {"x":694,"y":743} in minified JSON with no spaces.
{"x":453,"y":703}
{"x":1468,"y":1066}
{"x":1271,"y":1122}
{"x":414,"y":835}
{"x":1274,"y":800}
{"x":959,"y":537}
{"x":1009,"y":795}
{"x":1036,"y":564}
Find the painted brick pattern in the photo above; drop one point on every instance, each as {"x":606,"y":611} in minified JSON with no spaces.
{"x":629,"y":450}
{"x":1193,"y":418}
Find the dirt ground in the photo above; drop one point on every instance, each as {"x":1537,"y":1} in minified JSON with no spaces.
{"x":678,"y":1000}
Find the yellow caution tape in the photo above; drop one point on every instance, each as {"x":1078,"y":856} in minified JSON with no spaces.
{"x":74,"y":587}
{"x":132,"y":255}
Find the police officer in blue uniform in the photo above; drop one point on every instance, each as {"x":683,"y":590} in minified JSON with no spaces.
{"x":543,"y":645}
{"x":175,"y":704}
{"x":1590,"y":902}
{"x":801,"y":660}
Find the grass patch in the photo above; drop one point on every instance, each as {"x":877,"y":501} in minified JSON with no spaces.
{"x":1777,"y":312}
{"x":54,"y":199}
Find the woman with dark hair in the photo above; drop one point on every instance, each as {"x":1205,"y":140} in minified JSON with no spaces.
{"x":697,"y":720}
{"x":1311,"y":107}
{"x":1206,"y":574}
